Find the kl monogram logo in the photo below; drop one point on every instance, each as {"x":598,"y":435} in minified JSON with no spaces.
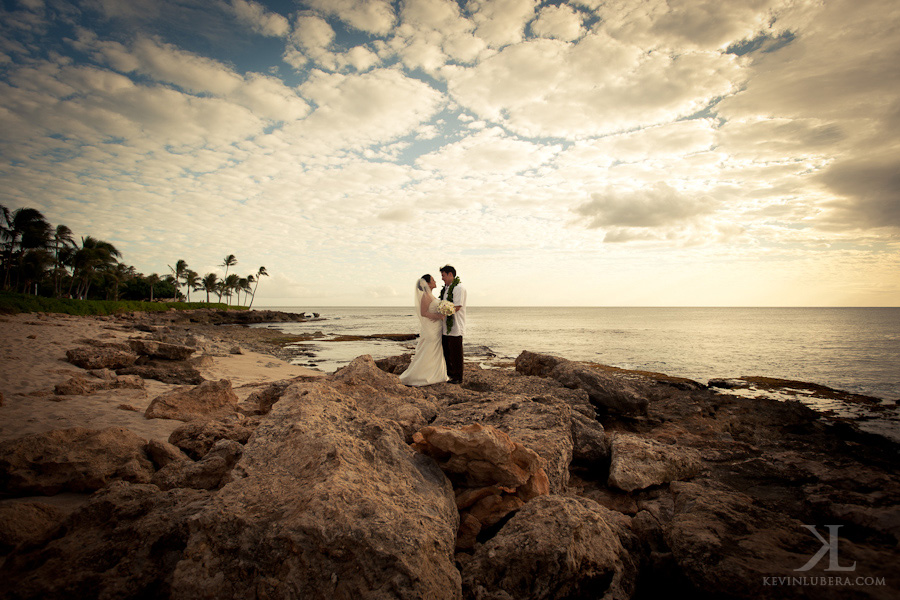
{"x":830,"y":547}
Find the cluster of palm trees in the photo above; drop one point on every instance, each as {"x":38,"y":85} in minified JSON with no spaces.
{"x":227,"y":286}
{"x":36,"y":258}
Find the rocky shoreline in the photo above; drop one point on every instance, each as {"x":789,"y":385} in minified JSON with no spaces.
{"x":547,"y":479}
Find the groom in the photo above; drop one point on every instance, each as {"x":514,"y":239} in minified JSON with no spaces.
{"x":451,"y":340}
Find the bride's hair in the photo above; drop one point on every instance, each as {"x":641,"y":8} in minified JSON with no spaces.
{"x":426,"y":277}
{"x":422,"y":284}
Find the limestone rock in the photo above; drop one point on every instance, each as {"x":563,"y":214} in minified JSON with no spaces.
{"x":160,"y":350}
{"x":639,"y":463}
{"x":25,"y":522}
{"x":75,"y":460}
{"x":554,"y":547}
{"x":123,"y":543}
{"x":613,"y":393}
{"x":184,"y":404}
{"x":493,"y":474}
{"x":543,"y":425}
{"x":82,"y":386}
{"x":395,"y":364}
{"x":196,"y":438}
{"x":616,"y":394}
{"x":539,"y":365}
{"x":163,"y":453}
{"x":174,"y":372}
{"x":327,"y":502}
{"x":100,"y":358}
{"x":381,"y":394}
{"x":205,"y":474}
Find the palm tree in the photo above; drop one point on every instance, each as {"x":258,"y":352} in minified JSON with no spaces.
{"x":26,"y":228}
{"x":260,"y":273}
{"x":152,"y":279}
{"x":209,"y":283}
{"x":62,"y":240}
{"x":230,"y":284}
{"x":242,"y":286}
{"x":93,"y":256}
{"x":230,"y":261}
{"x":192,"y":281}
{"x":178,"y":274}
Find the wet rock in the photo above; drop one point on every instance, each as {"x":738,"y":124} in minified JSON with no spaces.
{"x":639,"y":463}
{"x":26,"y":521}
{"x":554,"y":547}
{"x":100,"y":358}
{"x":210,"y":398}
{"x":538,"y":365}
{"x":327,"y":501}
{"x":197,"y":437}
{"x":209,"y":473}
{"x":74,"y":460}
{"x":160,"y":350}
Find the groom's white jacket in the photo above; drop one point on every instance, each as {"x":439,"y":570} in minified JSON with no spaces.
{"x":459,"y":320}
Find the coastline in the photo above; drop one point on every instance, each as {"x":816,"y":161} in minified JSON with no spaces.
{"x":674,"y":485}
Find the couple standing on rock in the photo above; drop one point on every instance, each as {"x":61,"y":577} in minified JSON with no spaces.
{"x":439,"y":353}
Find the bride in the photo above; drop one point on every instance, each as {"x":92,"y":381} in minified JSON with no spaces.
{"x":427,"y":366}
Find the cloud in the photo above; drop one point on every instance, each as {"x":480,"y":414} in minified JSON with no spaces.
{"x":371,"y":16}
{"x":260,"y":19}
{"x":656,"y":206}
{"x":560,"y":22}
{"x":501,"y":22}
{"x":486,"y":153}
{"x":358,"y":110}
{"x":597,"y":86}
{"x":870,"y":187}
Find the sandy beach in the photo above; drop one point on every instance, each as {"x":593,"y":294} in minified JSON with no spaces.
{"x":33,"y":362}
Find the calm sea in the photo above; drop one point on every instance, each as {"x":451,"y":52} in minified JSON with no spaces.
{"x":852,"y":349}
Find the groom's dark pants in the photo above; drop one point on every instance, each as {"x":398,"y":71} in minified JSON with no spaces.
{"x":453,"y":355}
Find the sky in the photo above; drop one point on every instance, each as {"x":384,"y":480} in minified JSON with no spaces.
{"x":581,"y":153}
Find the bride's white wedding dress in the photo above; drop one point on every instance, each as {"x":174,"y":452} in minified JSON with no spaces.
{"x":427,"y":366}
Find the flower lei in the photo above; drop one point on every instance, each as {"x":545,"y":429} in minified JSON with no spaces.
{"x":449,"y":292}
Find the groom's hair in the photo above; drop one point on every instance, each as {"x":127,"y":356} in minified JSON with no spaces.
{"x":448,"y":269}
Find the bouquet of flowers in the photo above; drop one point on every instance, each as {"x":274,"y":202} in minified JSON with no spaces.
{"x":445,"y":307}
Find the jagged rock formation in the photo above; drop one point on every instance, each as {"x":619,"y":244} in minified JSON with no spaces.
{"x":584,"y":483}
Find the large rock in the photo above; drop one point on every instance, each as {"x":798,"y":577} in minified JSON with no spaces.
{"x":83,"y":386}
{"x":543,"y":425}
{"x":615,"y":394}
{"x":210,"y":398}
{"x":161,"y":350}
{"x":74,"y":460}
{"x":554,"y":547}
{"x":196,"y":438}
{"x":26,"y":521}
{"x":327,"y":501}
{"x":590,"y":446}
{"x":381,"y":394}
{"x":123,"y":543}
{"x":100,"y":358}
{"x":639,"y":463}
{"x":209,"y":473}
{"x":728,"y":546}
{"x":493,"y":474}
{"x":174,"y":372}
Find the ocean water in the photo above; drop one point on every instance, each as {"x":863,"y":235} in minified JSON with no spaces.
{"x":851,"y":349}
